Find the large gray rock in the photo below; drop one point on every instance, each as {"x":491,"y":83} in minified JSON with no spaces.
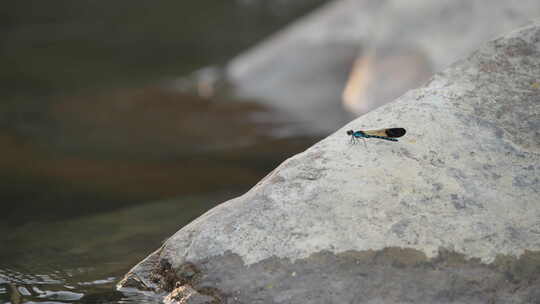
{"x":450,"y":214}
{"x":303,"y":69}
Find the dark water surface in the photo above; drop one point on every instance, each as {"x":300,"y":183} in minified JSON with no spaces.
{"x":99,"y":163}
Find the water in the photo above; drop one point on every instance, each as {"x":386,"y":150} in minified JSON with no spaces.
{"x":100,"y":163}
{"x":80,"y":259}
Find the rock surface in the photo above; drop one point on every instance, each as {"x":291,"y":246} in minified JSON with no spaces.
{"x":303,"y":69}
{"x":450,"y":214}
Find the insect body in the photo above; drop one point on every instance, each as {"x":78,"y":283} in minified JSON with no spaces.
{"x":386,"y":134}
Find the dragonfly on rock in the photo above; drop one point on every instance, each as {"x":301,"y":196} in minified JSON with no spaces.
{"x":389,"y":134}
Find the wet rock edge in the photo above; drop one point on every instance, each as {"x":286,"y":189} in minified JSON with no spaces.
{"x":392,"y":274}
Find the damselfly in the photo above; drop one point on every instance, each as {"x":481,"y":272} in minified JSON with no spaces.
{"x":386,"y":134}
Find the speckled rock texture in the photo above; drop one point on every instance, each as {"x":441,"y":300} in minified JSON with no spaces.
{"x":303,"y":69}
{"x":449,"y":214}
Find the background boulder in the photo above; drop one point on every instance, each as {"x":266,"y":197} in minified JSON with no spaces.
{"x":377,"y":50}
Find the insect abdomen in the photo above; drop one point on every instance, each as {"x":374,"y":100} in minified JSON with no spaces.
{"x":383,"y":137}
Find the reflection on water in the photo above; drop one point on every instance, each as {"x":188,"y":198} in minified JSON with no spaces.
{"x":56,"y":288}
{"x":133,"y":145}
{"x":98,"y":167}
{"x":80,"y":259}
